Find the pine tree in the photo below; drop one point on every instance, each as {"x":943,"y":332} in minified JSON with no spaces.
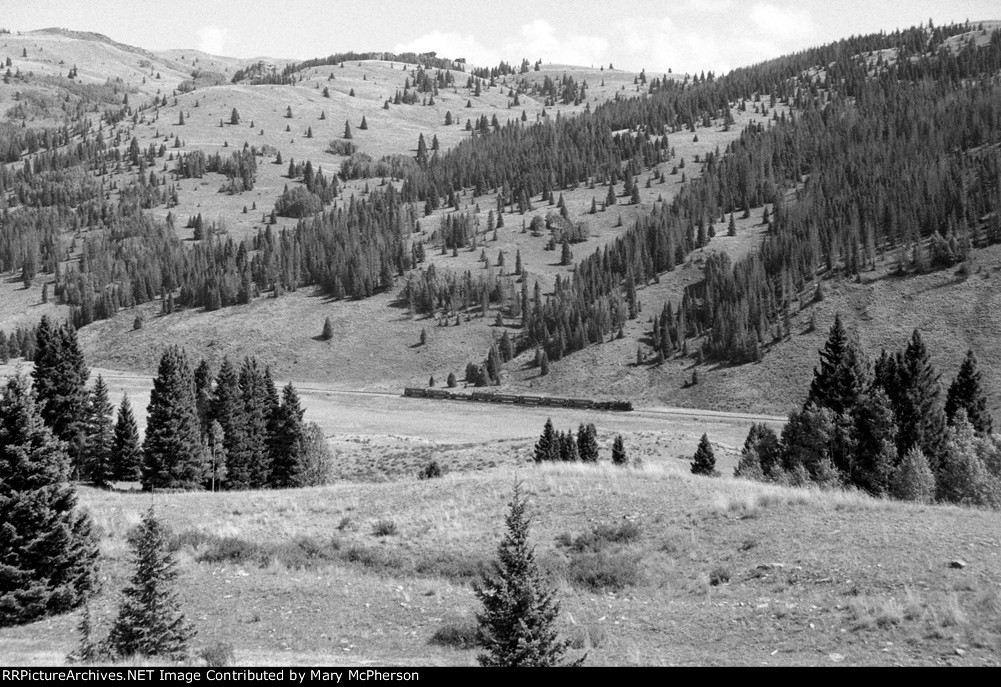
{"x":150,"y":622}
{"x":842,"y":375}
{"x":704,"y":461}
{"x":364,"y":124}
{"x":587,"y":443}
{"x":172,"y":451}
{"x":257,"y":416}
{"x":126,"y":451}
{"x":47,"y":549}
{"x":873,"y":443}
{"x":763,"y":441}
{"x":60,"y":381}
{"x":518,"y":624}
{"x":347,"y":129}
{"x":547,"y":448}
{"x":287,"y":442}
{"x":234,"y":117}
{"x":100,"y":437}
{"x":228,"y":411}
{"x":619,"y":452}
{"x":920,"y":416}
{"x":203,"y":394}
{"x":967,"y":393}
{"x":328,"y":330}
{"x":568,"y":447}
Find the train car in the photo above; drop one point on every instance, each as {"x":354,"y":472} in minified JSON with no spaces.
{"x":415,"y":392}
{"x":529,"y":400}
{"x":436,"y":393}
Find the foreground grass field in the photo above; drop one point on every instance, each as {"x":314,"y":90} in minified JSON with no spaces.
{"x":653,"y":566}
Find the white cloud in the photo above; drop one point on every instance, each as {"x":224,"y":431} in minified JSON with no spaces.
{"x":781,"y":23}
{"x":212,"y":39}
{"x":538,"y":40}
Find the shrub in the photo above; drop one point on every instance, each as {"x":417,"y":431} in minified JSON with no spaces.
{"x":430,"y":471}
{"x":218,"y":655}
{"x":458,"y":634}
{"x":384,"y":528}
{"x":602,"y":570}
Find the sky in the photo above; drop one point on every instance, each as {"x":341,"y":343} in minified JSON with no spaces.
{"x":682,"y":35}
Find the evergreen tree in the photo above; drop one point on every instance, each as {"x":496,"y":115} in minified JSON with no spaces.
{"x":60,"y":380}
{"x":100,"y":437}
{"x":347,"y":129}
{"x":807,"y":440}
{"x":518,"y":624}
{"x":203,"y":394}
{"x":287,"y":442}
{"x":364,"y":124}
{"x":587,"y":443}
{"x":150,"y":622}
{"x":257,"y":415}
{"x":547,"y":448}
{"x":234,"y":117}
{"x":764,"y":442}
{"x":874,"y":443}
{"x":967,"y":393}
{"x":172,"y":451}
{"x":704,"y":462}
{"x":842,"y":375}
{"x":619,"y":452}
{"x":920,"y":416}
{"x":568,"y":448}
{"x":47,"y":550}
{"x":328,"y":330}
{"x":126,"y":451}
{"x":228,"y":411}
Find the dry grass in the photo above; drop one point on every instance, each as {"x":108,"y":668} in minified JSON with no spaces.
{"x":711,"y":571}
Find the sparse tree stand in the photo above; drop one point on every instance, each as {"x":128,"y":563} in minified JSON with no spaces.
{"x":704,"y":462}
{"x":517,"y":627}
{"x":47,"y":550}
{"x":150,"y":622}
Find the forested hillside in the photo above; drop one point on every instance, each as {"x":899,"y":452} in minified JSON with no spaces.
{"x":872,"y":148}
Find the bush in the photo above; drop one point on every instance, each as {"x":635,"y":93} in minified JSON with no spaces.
{"x":218,"y":655}
{"x":602,"y":570}
{"x":384,"y":528}
{"x":601,"y":537}
{"x":430,"y":471}
{"x":458,"y":634}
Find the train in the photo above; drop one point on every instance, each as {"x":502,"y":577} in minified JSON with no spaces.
{"x":515,"y":399}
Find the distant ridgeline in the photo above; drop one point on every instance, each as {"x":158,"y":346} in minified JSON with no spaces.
{"x":261,"y":73}
{"x":890,"y":146}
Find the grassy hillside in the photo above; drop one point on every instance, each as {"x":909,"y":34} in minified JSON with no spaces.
{"x":690,"y":571}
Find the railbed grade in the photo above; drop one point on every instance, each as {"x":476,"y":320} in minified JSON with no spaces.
{"x":515,"y":399}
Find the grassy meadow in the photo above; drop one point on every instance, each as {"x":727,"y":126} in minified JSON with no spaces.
{"x":652,"y":566}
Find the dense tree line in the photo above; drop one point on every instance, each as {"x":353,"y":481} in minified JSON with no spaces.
{"x":886,"y":428}
{"x":229,"y":430}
